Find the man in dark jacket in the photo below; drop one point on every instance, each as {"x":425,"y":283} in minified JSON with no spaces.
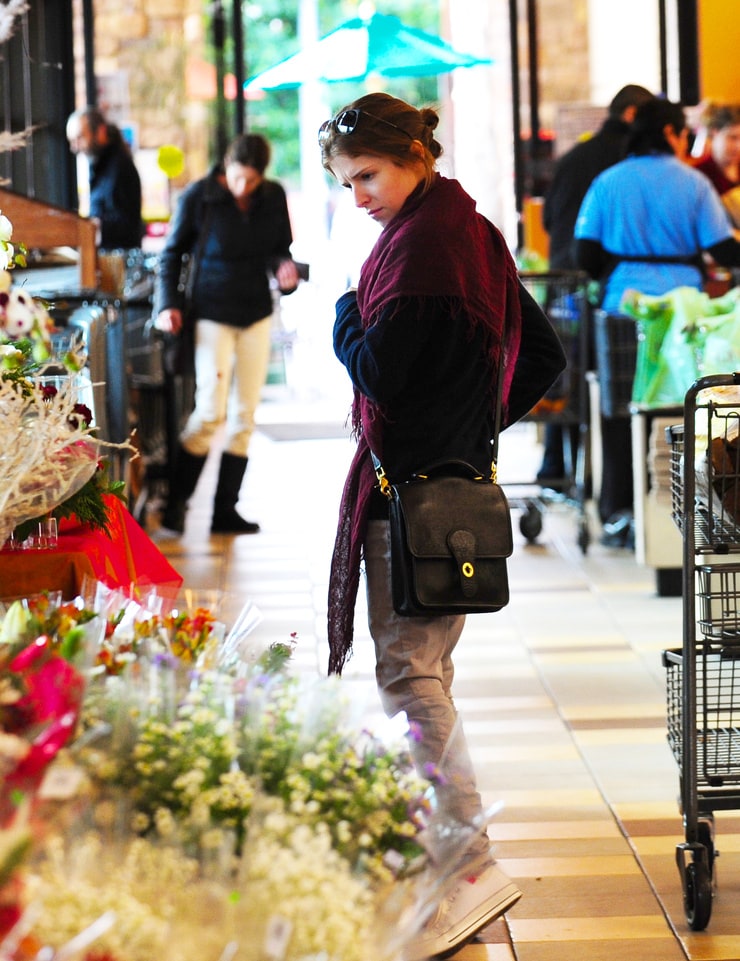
{"x":115,"y":185}
{"x":572,"y":177}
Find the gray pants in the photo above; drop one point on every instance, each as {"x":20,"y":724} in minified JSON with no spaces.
{"x":414,"y":673}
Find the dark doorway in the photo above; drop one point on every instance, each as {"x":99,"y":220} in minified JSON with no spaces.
{"x":37,"y":93}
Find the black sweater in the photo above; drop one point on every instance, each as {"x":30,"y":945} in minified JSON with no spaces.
{"x":429,"y":375}
{"x":232,"y":284}
{"x":115,"y":197}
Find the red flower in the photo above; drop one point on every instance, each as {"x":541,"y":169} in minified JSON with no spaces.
{"x":80,"y":412}
{"x":49,"y":706}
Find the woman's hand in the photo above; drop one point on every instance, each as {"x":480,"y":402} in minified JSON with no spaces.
{"x":169,"y":320}
{"x":287,"y":276}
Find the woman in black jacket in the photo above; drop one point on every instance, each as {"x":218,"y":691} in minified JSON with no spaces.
{"x":235,"y":225}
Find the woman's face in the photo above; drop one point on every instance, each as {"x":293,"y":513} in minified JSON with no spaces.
{"x":242,"y":181}
{"x":726,"y":146}
{"x":379,"y":185}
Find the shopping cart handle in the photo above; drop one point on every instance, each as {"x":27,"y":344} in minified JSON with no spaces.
{"x":713,"y":380}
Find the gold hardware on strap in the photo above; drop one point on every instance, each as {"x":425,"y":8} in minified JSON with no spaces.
{"x":383,"y":482}
{"x":467,"y":569}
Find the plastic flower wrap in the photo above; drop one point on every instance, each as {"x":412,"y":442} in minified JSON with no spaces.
{"x":300,"y":896}
{"x":193,"y":750}
{"x":48,"y":448}
{"x":48,"y":451}
{"x":41,"y":696}
{"x":233,"y":815}
{"x":73,"y":885}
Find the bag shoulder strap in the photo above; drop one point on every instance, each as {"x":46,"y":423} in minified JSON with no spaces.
{"x":197,"y":252}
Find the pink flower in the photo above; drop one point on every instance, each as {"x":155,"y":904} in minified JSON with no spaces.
{"x":48,"y":708}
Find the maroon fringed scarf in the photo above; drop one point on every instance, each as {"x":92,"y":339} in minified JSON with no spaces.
{"x":437,"y":246}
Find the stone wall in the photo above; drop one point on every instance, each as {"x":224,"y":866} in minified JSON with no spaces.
{"x":145,"y":51}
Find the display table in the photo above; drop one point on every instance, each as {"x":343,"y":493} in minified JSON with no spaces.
{"x":124,"y":556}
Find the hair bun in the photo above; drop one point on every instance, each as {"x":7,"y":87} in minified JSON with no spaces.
{"x":429,"y":118}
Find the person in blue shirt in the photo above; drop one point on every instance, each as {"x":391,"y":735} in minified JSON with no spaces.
{"x":646,"y":224}
{"x":573,"y":174}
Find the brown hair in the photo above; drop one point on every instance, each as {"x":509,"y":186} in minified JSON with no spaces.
{"x":387,"y":127}
{"x":249,"y":150}
{"x":717,"y":116}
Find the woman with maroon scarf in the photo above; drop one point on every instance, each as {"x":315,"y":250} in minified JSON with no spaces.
{"x":437,"y":301}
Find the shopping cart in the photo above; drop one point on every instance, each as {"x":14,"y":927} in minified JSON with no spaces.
{"x":563,"y":297}
{"x":703,"y":676}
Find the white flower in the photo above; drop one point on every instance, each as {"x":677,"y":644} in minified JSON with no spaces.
{"x":18,"y":314}
{"x":6,"y":248}
{"x":12,"y":749}
{"x":164,"y":822}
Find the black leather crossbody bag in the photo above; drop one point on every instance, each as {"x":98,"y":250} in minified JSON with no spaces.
{"x":450,"y":537}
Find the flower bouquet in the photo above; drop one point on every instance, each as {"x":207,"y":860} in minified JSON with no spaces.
{"x":41,"y":694}
{"x":232,"y":814}
{"x":49,"y":452}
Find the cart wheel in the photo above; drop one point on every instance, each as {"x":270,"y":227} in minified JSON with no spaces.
{"x":584,"y":535}
{"x":697,"y":899}
{"x":705,"y":828}
{"x":530,"y":523}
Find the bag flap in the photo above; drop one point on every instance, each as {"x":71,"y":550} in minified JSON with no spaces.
{"x":433,"y":509}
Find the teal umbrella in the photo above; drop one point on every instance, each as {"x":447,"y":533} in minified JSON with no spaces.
{"x":381,"y":45}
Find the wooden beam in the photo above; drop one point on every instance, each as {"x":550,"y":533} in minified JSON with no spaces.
{"x":43,"y":226}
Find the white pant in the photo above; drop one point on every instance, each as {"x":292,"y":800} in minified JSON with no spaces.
{"x":230,"y":371}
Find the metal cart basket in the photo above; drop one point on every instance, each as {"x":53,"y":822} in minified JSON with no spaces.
{"x":563,"y":296}
{"x":703,"y":676}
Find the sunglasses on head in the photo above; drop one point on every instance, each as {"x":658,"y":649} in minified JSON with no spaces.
{"x":346,"y":122}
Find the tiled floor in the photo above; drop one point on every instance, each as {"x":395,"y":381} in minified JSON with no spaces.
{"x":562,"y":695}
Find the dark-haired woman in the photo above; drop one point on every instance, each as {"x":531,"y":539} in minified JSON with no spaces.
{"x":644,"y":225}
{"x":437,"y":304}
{"x":235,"y":223}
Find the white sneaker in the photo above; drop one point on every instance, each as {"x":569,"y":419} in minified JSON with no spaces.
{"x":473,"y":904}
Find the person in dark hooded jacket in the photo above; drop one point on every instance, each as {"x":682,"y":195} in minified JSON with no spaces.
{"x":236,"y":226}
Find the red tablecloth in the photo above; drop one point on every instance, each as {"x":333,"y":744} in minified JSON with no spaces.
{"x":128,"y":556}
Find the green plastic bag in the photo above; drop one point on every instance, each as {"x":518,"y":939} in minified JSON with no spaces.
{"x":682,"y":335}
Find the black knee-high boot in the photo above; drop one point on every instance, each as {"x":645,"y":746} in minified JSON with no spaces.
{"x":183,"y":479}
{"x":226,"y":520}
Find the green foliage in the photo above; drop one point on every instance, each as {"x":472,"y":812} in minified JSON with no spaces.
{"x":271,"y":35}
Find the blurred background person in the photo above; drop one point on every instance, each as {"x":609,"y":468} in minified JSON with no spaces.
{"x":115,"y":185}
{"x":720,"y":160}
{"x":572,"y":176}
{"x":235,"y":223}
{"x":644,"y":225}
